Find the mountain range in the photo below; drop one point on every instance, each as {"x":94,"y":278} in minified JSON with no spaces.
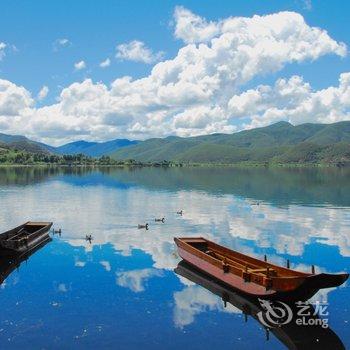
{"x":280,"y":142}
{"x":92,"y":149}
{"x":24,"y":144}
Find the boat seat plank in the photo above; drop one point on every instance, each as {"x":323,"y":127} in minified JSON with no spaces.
{"x":236,"y":260}
{"x":262,"y":270}
{"x":245,"y":267}
{"x":18,"y":235}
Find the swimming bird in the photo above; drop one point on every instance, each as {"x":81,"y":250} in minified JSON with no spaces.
{"x":89,"y":238}
{"x":142,"y":226}
{"x":160,"y":220}
{"x":180,"y":212}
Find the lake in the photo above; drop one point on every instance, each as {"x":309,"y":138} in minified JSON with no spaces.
{"x":121,"y":290}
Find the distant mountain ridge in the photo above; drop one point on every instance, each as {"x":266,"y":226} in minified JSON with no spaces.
{"x":279,"y":142}
{"x":24,"y":144}
{"x":94,"y":149}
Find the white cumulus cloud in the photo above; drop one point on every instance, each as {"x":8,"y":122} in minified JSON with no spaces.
{"x":307,"y":4}
{"x":293,"y":100}
{"x":80,"y":65}
{"x":105,"y":63}
{"x":201,"y":89}
{"x":137,"y":51}
{"x":14,"y":100}
{"x":43,"y":93}
{"x":192,"y":28}
{"x":2,"y":50}
{"x":61,"y":43}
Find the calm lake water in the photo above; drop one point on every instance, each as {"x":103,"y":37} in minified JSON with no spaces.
{"x":121,"y":290}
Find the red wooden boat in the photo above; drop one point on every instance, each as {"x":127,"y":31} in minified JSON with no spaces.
{"x":252,"y":276}
{"x":309,"y":335}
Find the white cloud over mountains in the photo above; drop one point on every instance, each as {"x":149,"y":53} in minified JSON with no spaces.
{"x":201,"y":89}
{"x":293,"y":99}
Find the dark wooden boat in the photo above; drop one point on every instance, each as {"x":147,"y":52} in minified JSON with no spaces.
{"x":310,"y":335}
{"x":252,"y":276}
{"x":12,"y":260}
{"x":25,"y":237}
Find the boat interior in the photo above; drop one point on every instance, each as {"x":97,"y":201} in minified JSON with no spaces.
{"x":24,"y":231}
{"x":240,"y":261}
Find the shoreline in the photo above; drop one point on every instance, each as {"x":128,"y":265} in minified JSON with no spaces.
{"x":184,"y":165}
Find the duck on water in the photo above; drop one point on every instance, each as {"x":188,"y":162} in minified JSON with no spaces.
{"x":145,"y":226}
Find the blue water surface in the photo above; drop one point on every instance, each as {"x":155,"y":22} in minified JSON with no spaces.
{"x":121,"y":291}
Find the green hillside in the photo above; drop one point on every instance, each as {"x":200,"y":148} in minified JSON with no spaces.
{"x":278,"y":143}
{"x":92,"y":149}
{"x":24,"y":144}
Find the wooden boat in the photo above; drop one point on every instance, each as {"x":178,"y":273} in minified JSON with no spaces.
{"x":25,"y":237}
{"x":252,"y":276}
{"x":12,"y":260}
{"x":310,"y":335}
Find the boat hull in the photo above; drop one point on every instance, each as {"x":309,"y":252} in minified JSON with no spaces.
{"x":15,"y":241}
{"x":291,"y":334}
{"x":10,"y":260}
{"x":299,"y":288}
{"x":228,"y":278}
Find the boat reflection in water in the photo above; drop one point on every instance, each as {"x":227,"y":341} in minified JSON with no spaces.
{"x":10,"y":261}
{"x":313,"y":333}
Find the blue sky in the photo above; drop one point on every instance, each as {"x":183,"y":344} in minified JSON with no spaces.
{"x":33,"y":58}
